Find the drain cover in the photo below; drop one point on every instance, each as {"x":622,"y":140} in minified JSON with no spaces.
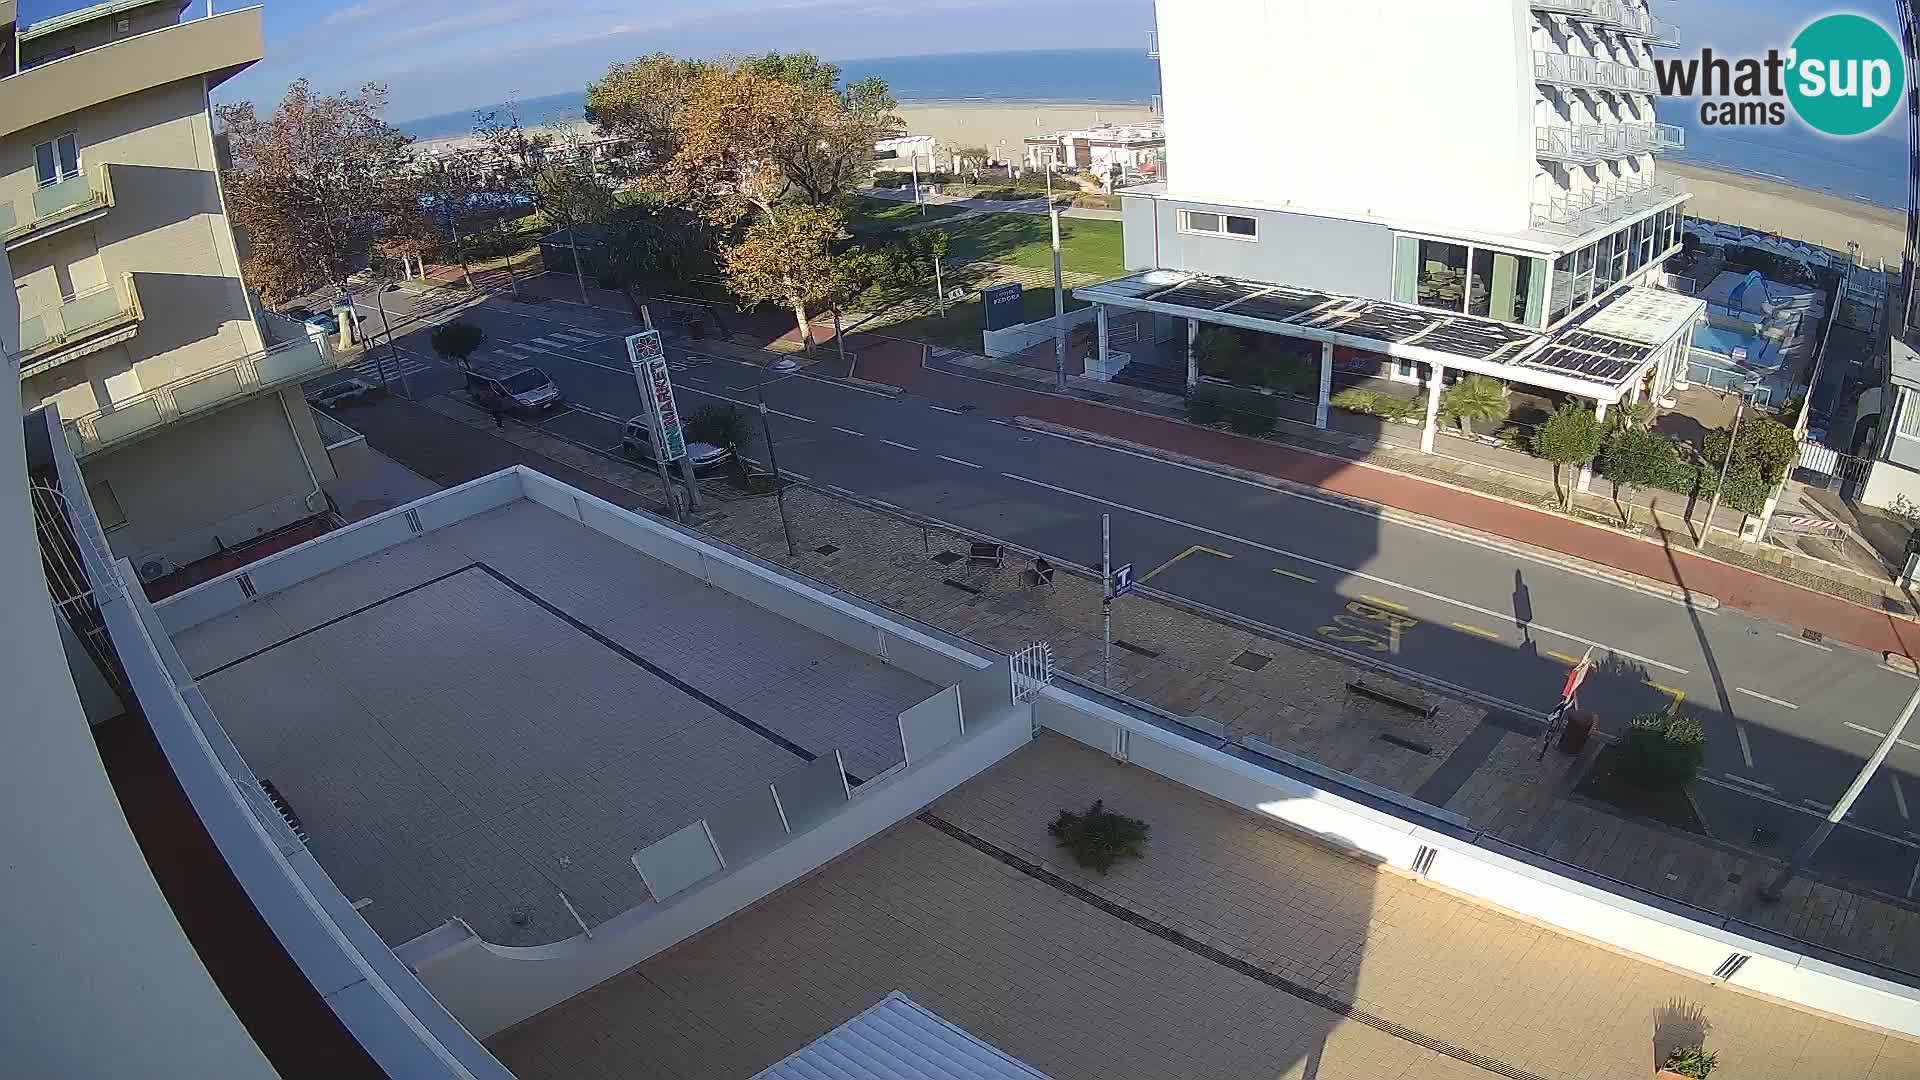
{"x":947,"y":558}
{"x":826,"y":549}
{"x":1252,"y":661}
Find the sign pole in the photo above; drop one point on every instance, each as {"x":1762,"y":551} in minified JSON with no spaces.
{"x":648,"y":356}
{"x":1106,"y":604}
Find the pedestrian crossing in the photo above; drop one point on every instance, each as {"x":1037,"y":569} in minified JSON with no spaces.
{"x":370,"y":369}
{"x":568,"y":339}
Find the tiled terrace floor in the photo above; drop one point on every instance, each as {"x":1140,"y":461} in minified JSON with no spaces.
{"x":477,"y":720}
{"x":1279,"y":959}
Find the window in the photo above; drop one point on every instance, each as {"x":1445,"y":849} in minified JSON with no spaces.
{"x":1443,"y":276}
{"x":1563,"y":288}
{"x":1235,"y":226}
{"x":57,"y":160}
{"x":105,"y":506}
{"x":1406,"y":269}
{"x":1908,"y":426}
{"x":1583,"y":275}
{"x":1507,"y":287}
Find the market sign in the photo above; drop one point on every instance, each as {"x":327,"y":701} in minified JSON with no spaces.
{"x":649,"y":359}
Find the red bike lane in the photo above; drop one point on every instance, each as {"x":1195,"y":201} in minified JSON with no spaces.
{"x":898,"y":363}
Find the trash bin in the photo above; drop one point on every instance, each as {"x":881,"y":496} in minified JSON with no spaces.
{"x":1573,"y":737}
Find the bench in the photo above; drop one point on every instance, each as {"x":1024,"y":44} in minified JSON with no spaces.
{"x":1394,"y":698}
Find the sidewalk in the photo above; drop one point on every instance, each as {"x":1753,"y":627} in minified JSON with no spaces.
{"x":1188,"y":663}
{"x":1741,"y":577}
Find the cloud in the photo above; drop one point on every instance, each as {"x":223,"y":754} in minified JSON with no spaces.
{"x":364,"y":10}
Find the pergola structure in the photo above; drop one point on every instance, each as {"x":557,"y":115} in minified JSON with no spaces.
{"x":1636,"y":338}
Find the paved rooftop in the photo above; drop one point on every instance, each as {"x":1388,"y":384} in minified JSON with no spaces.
{"x":1233,"y":949}
{"x":474,"y":721}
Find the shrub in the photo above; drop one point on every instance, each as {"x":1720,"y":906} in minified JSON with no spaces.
{"x":458,"y":340}
{"x":721,"y":425}
{"x":1203,"y":409}
{"x":1692,"y":1061}
{"x":1661,"y":751}
{"x":1355,"y":399}
{"x":1244,"y":422}
{"x":1514,"y":438}
{"x":1389,"y":407}
{"x":1098,"y":838}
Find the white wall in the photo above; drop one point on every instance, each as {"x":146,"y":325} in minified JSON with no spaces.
{"x":1012,"y":339}
{"x":1401,"y":109}
{"x":1888,"y":482}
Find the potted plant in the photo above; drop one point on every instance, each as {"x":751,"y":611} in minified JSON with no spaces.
{"x":1688,"y":1063}
{"x":1098,"y":838}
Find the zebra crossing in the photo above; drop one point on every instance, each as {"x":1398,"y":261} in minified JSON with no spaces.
{"x":371,"y":368}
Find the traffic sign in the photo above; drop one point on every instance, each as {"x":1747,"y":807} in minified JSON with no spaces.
{"x":1121,"y":583}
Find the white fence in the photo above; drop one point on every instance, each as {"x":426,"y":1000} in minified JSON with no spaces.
{"x":1021,"y":336}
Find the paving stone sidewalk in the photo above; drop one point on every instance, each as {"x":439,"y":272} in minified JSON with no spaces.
{"x":1186,"y":663}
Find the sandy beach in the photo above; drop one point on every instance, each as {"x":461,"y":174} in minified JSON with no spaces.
{"x":1784,"y":210}
{"x":967,"y":125}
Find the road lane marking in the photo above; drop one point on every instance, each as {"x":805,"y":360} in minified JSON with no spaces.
{"x":1881,"y":735}
{"x":1766,"y":698}
{"x":1476,"y":631}
{"x":959,"y":461}
{"x":1751,"y":791}
{"x":999,"y":420}
{"x":850,"y":431}
{"x":1750,"y":783}
{"x":944,"y":409}
{"x":1337,"y":568}
{"x":1361,"y":625}
{"x":1899,"y":794}
{"x":1914,"y":880}
{"x":1746,"y":748}
{"x":1563,"y":657}
{"x":1194,"y":549}
{"x":1678,"y":696}
{"x":1296,"y":577}
{"x":1803,"y":641}
{"x":901,"y":445}
{"x":1818,"y":805}
{"x":1377,"y":602}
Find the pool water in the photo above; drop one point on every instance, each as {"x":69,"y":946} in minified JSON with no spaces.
{"x":1718,"y":339}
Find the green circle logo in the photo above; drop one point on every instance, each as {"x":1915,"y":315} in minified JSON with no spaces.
{"x":1846,"y":75}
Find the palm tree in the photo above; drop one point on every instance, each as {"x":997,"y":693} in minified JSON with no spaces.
{"x":1476,"y":397}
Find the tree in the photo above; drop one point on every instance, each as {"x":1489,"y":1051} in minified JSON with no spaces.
{"x":449,"y":186}
{"x":1662,"y":751}
{"x":1765,"y":444}
{"x":724,"y":426}
{"x":1476,"y":397}
{"x":1571,"y":436}
{"x":313,"y":184}
{"x":784,"y":257}
{"x":642,"y":103}
{"x":656,"y":245}
{"x":458,"y":340}
{"x":1636,"y":458}
{"x":1638,"y":413}
{"x":553,"y":170}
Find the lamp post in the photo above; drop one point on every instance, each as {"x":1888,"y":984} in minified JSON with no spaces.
{"x":773,"y":464}
{"x":1059,"y":295}
{"x":1733,"y":440}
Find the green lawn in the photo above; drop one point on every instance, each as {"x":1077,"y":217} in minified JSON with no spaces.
{"x":960,"y":328}
{"x":1086,"y":247}
{"x":869,"y":217}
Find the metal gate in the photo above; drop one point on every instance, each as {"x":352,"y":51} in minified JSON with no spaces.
{"x":1824,"y":467}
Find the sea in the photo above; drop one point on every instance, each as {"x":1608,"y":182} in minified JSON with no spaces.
{"x":1868,"y":169}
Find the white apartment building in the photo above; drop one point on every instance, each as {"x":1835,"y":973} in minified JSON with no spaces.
{"x":1442,"y":187}
{"x":1135,"y":148}
{"x":134,"y":320}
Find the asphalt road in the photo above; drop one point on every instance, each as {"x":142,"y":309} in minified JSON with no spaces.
{"x":1789,"y":721}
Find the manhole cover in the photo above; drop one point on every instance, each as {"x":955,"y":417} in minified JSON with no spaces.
{"x":1812,"y":635}
{"x":827,"y":549}
{"x":1252,"y":661}
{"x":1141,"y":650}
{"x":947,"y":558}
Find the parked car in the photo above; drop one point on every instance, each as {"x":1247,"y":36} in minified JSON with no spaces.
{"x":324,"y":321}
{"x":512,"y":388}
{"x":334,"y":395}
{"x":637,"y":440}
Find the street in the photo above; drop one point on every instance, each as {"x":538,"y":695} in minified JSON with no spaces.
{"x":1789,"y":720}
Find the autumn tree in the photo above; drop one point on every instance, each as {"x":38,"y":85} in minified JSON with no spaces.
{"x":786,"y":257}
{"x":642,"y":103}
{"x":553,"y":170}
{"x":656,"y":246}
{"x":314,"y":184}
{"x":449,"y":184}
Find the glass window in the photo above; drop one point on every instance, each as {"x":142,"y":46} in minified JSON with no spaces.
{"x":1533,"y":275}
{"x":1480,"y":284}
{"x":57,"y":160}
{"x":1603,"y":264}
{"x":1200,"y":221}
{"x":1637,"y":246}
{"x":1406,"y":268}
{"x":1240,"y":226}
{"x":1909,"y":425}
{"x":1583,"y":274}
{"x":1443,"y":275}
{"x":1562,"y":287}
{"x":1504,"y":285}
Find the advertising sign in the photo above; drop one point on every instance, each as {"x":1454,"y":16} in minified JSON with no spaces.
{"x":1002,"y":304}
{"x":649,"y":361}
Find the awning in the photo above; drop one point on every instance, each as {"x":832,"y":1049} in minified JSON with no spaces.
{"x":1599,"y":355}
{"x":898,"y":1040}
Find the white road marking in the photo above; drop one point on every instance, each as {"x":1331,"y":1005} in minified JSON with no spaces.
{"x":1379,"y":513}
{"x":850,"y":431}
{"x":1880,"y":735}
{"x":958,"y":461}
{"x":1818,"y":805}
{"x":944,"y":409}
{"x":1899,"y":794}
{"x":1797,"y":639}
{"x":795,"y":475}
{"x":1765,"y":697}
{"x":1914,"y":880}
{"x":1750,"y":783}
{"x":999,"y":420}
{"x":1489,"y":612}
{"x":901,"y":445}
{"x":1746,"y":748}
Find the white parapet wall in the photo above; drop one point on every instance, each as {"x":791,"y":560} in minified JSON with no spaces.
{"x":1558,"y":900}
{"x":1022,"y":336}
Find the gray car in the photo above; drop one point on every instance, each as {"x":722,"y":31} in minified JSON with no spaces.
{"x":637,"y":440}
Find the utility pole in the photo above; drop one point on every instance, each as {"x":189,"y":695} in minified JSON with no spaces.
{"x":1059,"y":295}
{"x":1805,"y":853}
{"x":939,"y":290}
{"x":913,"y":162}
{"x":838,"y":341}
{"x":1713,"y":507}
{"x":1106,"y":603}
{"x":380,"y":301}
{"x":773,"y":463}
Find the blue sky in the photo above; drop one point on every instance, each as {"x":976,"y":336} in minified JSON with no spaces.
{"x":445,"y":55}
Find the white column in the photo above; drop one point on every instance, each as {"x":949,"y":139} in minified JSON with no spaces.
{"x":1193,"y":362}
{"x":1436,"y":375}
{"x":1326,"y":385}
{"x":1100,"y":316}
{"x":1586,"y":471}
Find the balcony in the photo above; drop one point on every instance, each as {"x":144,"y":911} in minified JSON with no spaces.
{"x":53,"y":207}
{"x":1664,"y":33}
{"x":1590,"y":73}
{"x":203,"y":391}
{"x":1153,"y":44}
{"x":86,"y":323}
{"x":1584,"y":211}
{"x":1588,"y":144}
{"x":1611,"y":14}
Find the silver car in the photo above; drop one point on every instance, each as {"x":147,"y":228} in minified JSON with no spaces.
{"x":637,"y":440}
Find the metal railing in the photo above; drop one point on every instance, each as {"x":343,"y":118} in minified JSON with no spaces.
{"x":53,"y":203}
{"x":1153,"y":44}
{"x":1591,"y":73}
{"x":1585,"y":210}
{"x":96,"y":311}
{"x":1662,"y":32}
{"x":292,"y":362}
{"x":1585,"y":144}
{"x":1611,"y":13}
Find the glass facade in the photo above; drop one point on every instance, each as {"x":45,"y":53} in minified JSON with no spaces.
{"x":1472,"y":280}
{"x":1443,"y":275}
{"x":1580,"y":276}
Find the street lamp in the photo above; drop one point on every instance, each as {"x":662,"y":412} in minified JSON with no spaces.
{"x":380,"y":301}
{"x":1059,"y":295}
{"x":773,"y":463}
{"x":1733,"y":440}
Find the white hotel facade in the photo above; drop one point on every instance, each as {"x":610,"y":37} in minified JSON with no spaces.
{"x":1465,"y":186}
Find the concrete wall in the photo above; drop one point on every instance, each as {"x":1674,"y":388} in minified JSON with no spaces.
{"x":1889,"y":481}
{"x":1384,"y":108}
{"x":1139,"y":244}
{"x":1478,"y":868}
{"x":1330,"y":254}
{"x":1012,"y":339}
{"x":233,"y":474}
{"x":167,"y":227}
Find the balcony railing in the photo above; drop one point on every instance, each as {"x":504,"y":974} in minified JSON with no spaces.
{"x":1585,"y":144}
{"x":1581,"y":212}
{"x":1610,"y":13}
{"x":1153,"y":44}
{"x":292,"y":362}
{"x":1661,"y":32}
{"x":48,"y":333}
{"x":55,"y":204}
{"x":1590,"y":73}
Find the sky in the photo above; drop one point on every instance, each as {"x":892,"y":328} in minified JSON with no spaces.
{"x":439,"y":56}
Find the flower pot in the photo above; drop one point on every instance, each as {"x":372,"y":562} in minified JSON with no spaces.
{"x":1573,"y":737}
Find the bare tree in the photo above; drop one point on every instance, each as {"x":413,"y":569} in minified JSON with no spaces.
{"x":554,"y":170}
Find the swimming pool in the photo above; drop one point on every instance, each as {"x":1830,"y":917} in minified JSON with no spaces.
{"x":1719,"y":339}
